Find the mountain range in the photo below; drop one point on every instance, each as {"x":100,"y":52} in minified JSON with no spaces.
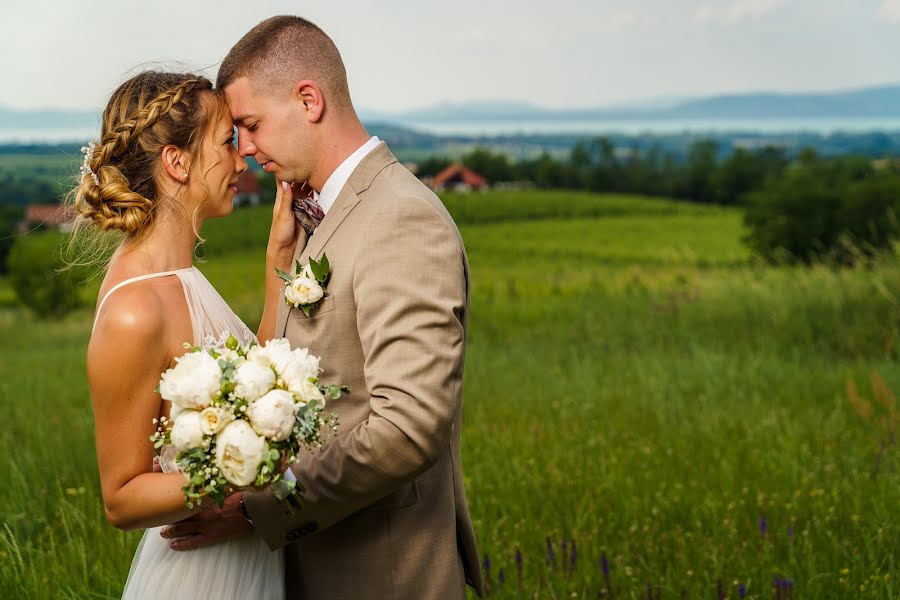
{"x":872,"y":102}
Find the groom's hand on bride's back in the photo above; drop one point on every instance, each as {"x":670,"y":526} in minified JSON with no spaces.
{"x":212,"y":525}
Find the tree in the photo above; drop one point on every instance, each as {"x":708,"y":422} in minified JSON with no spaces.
{"x":432,"y":165}
{"x":34,"y":266}
{"x":493,"y":166}
{"x":544,"y":172}
{"x":824,"y":211}
{"x":700,"y":171}
{"x":10,"y":215}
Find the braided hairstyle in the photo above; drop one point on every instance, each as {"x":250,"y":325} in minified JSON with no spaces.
{"x":149,"y":111}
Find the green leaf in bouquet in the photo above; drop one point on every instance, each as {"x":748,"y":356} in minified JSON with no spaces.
{"x":334,"y":392}
{"x":284,"y":488}
{"x":231,"y":343}
{"x":218,"y":497}
{"x":198,"y":479}
{"x":307,"y":308}
{"x":158,"y":444}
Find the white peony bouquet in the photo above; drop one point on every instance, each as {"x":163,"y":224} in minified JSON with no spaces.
{"x":240,"y":415}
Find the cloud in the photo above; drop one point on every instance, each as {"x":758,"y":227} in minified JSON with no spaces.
{"x":739,"y":10}
{"x":624,"y":20}
{"x":890,"y":10}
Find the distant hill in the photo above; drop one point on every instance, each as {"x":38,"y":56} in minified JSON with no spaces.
{"x":873,"y":102}
{"x":865,"y":103}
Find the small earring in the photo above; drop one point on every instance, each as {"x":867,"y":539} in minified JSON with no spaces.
{"x":185,"y":174}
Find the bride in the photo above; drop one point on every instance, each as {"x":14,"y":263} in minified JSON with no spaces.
{"x":164,"y":164}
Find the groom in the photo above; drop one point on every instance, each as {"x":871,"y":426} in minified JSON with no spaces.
{"x":384,"y":512}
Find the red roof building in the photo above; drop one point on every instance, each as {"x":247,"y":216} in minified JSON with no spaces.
{"x":52,"y":216}
{"x":247,"y":190}
{"x":459,"y":178}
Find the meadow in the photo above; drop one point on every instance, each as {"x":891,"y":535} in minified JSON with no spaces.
{"x":648,"y":412}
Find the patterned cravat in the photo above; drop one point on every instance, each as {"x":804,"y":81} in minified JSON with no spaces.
{"x":306,"y":210}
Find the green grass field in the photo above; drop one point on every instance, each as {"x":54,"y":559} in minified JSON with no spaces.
{"x":635,"y":383}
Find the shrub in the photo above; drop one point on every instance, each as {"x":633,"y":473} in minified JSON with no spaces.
{"x":34,"y":271}
{"x":821,"y":212}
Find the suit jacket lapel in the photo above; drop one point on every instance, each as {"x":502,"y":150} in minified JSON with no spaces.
{"x":360,"y":180}
{"x":284,"y":308}
{"x":342,"y":206}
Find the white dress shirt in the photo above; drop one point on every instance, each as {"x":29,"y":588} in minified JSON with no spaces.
{"x":338,"y":179}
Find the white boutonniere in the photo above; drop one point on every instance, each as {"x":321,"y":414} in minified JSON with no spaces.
{"x":306,"y":289}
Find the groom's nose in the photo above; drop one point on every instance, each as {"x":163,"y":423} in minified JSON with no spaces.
{"x":246,"y":147}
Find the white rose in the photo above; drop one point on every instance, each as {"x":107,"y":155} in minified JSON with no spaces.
{"x":192,"y":382}
{"x":187,"y":432}
{"x":213,"y":419}
{"x":174,"y":412}
{"x":274,"y":352}
{"x":273,"y":415}
{"x":297,"y":368}
{"x":306,"y":271}
{"x":303,"y":290}
{"x":239,"y":451}
{"x":231,"y":356}
{"x":252,"y":380}
{"x":310,"y":392}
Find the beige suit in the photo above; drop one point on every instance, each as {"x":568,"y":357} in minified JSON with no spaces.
{"x":384,"y":513}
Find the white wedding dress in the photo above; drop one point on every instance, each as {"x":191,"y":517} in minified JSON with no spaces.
{"x":237,"y":570}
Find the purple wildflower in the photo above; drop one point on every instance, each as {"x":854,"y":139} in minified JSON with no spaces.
{"x":551,"y":554}
{"x":605,"y":565}
{"x":763,"y":525}
{"x":501,"y":577}
{"x":519,"y":567}
{"x":742,"y":591}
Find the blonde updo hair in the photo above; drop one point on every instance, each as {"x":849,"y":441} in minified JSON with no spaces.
{"x":149,"y":111}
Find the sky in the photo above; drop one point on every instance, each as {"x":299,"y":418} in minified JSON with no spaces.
{"x":414,"y":53}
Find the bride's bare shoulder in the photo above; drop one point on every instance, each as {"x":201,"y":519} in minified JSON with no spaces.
{"x":134,"y":312}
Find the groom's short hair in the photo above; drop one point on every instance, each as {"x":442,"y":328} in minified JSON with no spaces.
{"x":287,"y":49}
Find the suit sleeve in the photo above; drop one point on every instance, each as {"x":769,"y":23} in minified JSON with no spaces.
{"x":409,"y":285}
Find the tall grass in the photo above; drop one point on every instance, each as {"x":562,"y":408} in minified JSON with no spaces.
{"x":634,"y":385}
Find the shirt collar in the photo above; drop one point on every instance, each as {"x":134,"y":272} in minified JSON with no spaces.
{"x":338,"y":179}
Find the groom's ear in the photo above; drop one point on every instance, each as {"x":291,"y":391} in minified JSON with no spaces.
{"x":309,"y":94}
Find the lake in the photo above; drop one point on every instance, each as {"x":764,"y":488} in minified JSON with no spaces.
{"x":587,"y":127}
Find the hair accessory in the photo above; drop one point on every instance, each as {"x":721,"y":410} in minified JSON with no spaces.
{"x":88,"y":152}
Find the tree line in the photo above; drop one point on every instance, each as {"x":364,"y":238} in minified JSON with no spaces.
{"x":804,"y":208}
